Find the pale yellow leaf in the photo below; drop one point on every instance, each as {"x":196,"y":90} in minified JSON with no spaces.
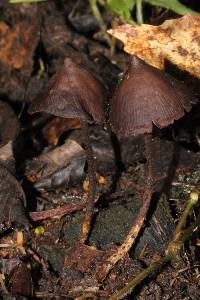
{"x":176,"y":40}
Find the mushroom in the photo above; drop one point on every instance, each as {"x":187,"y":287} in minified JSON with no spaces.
{"x":74,"y":93}
{"x":144,"y":97}
{"x":147,"y":95}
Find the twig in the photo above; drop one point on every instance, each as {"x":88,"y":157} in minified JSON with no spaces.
{"x":39,"y":260}
{"x":185,"y":185}
{"x":67,"y":208}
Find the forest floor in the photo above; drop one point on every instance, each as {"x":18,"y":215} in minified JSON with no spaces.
{"x":41,"y":256}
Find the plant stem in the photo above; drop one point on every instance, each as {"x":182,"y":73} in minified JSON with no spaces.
{"x":155,"y":266}
{"x":97,"y":14}
{"x":190,"y":204}
{"x":25,"y":1}
{"x":139,"y":15}
{"x":178,"y":236}
{"x":188,"y":231}
{"x":92,"y":187}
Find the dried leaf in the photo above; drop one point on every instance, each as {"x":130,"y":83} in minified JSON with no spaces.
{"x":62,"y":165}
{"x":56,"y":127}
{"x":6,"y":152}
{"x":12,"y":199}
{"x":82,"y":257}
{"x":17,"y":44}
{"x":176,"y":40}
{"x":9,"y":124}
{"x":20,"y":281}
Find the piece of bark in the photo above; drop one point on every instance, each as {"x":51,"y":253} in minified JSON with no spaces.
{"x":12,"y":200}
{"x":9,"y":124}
{"x":166,"y":42}
{"x":63,"y":165}
{"x":20,"y":281}
{"x":18,"y":44}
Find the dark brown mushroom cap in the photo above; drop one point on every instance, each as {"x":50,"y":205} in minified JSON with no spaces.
{"x":72,"y":93}
{"x":147,"y":95}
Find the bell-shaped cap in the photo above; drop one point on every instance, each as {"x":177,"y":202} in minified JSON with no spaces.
{"x":72,"y":93}
{"x":147,"y":95}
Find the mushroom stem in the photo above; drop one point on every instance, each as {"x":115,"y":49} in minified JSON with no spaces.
{"x":92,"y":184}
{"x":139,"y":221}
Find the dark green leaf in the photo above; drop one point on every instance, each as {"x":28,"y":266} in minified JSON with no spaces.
{"x":122,"y":8}
{"x":173,"y":5}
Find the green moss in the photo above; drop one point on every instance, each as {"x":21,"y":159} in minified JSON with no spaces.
{"x":186,"y":183}
{"x":112,"y":225}
{"x":72,"y":229}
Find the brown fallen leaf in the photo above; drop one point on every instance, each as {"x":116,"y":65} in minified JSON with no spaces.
{"x":176,"y":40}
{"x":12,"y":200}
{"x":60,"y":211}
{"x":62,"y":165}
{"x":56,"y":127}
{"x":20,"y":281}
{"x":86,"y":183}
{"x":9,"y":124}
{"x":83,"y":269}
{"x":82,"y":257}
{"x":17,"y":44}
{"x":6,"y":152}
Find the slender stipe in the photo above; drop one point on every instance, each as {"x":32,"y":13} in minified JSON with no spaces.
{"x":86,"y":227}
{"x":139,"y":221}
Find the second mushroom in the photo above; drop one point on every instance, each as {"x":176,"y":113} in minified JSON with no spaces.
{"x":74,"y":93}
{"x":144,"y":97}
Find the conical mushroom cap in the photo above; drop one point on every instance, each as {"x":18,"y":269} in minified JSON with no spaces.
{"x":72,"y":93}
{"x":147,"y":95}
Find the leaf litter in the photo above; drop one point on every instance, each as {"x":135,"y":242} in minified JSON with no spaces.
{"x":59,"y":265}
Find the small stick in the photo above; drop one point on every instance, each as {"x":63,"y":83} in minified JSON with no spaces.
{"x":97,"y":14}
{"x":67,"y":208}
{"x":39,"y":260}
{"x":92,"y":188}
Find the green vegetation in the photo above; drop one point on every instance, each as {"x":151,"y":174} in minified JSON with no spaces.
{"x":173,"y":5}
{"x":124,"y":8}
{"x":25,"y":1}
